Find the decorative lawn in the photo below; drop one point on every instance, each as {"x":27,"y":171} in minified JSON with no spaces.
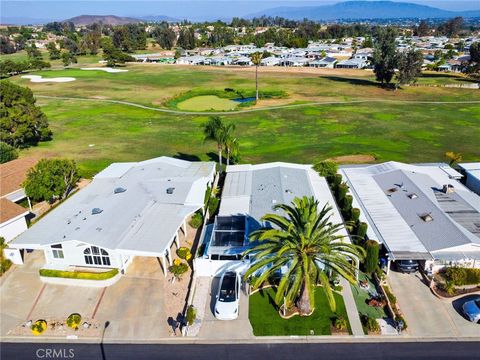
{"x":207,"y":102}
{"x":361,"y":296}
{"x":266,"y":321}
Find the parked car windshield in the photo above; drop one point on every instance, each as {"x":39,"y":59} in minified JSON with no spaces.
{"x":227,"y":290}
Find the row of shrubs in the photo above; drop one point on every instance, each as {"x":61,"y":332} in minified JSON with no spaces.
{"x":351,"y":215}
{"x":79,"y":274}
{"x":462,"y":276}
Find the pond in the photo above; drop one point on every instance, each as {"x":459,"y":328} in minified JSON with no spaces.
{"x":245,"y":99}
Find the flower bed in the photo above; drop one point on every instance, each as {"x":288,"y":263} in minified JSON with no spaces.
{"x":79,"y":274}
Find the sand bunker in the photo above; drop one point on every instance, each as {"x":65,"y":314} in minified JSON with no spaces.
{"x":41,"y":79}
{"x":106,"y":69}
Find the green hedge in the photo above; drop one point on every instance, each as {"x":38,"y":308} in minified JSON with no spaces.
{"x":79,"y":274}
{"x":463,"y":276}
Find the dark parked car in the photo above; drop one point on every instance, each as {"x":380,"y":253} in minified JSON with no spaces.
{"x":407,"y":266}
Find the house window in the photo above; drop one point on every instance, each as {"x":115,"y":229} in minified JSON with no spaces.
{"x":88,"y":257}
{"x":57,"y":251}
{"x":96,"y":256}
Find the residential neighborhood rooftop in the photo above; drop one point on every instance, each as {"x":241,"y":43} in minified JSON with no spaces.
{"x":417,"y":211}
{"x":112,"y":212}
{"x":13,"y":174}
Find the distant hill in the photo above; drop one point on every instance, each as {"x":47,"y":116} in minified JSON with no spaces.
{"x":104,"y":19}
{"x":363,"y":10}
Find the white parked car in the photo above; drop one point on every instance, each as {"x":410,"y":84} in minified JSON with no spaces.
{"x":226,"y":306}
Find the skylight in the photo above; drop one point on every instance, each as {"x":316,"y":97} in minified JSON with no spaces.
{"x":119,"y":190}
{"x":170,"y":190}
{"x":96,"y":211}
{"x":426,"y":217}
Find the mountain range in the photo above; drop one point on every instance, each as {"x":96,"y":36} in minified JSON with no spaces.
{"x":348,"y":10}
{"x":357,"y":10}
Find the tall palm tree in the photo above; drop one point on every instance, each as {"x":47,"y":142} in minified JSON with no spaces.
{"x":214,"y":130}
{"x":230,"y":141}
{"x":308,"y":245}
{"x":232,"y":147}
{"x":256,"y":60}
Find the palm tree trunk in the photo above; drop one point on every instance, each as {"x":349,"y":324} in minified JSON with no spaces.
{"x":303,"y":303}
{"x":220,"y":156}
{"x":228,"y":156}
{"x":256,"y":83}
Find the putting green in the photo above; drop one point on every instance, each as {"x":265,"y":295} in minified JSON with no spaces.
{"x":207,"y":102}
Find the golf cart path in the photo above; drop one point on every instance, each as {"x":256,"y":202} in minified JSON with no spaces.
{"x":278,"y":107}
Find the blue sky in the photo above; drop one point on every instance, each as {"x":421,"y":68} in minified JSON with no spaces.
{"x":192,"y":9}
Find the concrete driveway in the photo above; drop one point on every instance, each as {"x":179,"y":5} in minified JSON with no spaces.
{"x":214,"y":329}
{"x":134,"y":306}
{"x":426,"y":314}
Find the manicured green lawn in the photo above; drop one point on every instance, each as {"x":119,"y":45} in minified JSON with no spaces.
{"x":361,"y":296}
{"x":409,"y":132}
{"x":207,"y":102}
{"x":413,"y":133}
{"x":266,"y":321}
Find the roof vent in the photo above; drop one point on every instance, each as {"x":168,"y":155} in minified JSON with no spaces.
{"x":119,"y":190}
{"x":96,"y":211}
{"x":412,"y":196}
{"x":448,"y":188}
{"x":426,"y":217}
{"x":392,"y":190}
{"x":170,"y":190}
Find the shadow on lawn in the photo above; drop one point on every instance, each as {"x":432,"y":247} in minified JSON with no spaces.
{"x":352,"y":81}
{"x":271,"y":300}
{"x":443,"y":76}
{"x":212,"y":156}
{"x":188,"y":157}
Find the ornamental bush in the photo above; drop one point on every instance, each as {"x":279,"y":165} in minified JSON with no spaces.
{"x":370,"y":323}
{"x":197,"y":220}
{"x":371,"y":259}
{"x":191,"y":314}
{"x":184,"y":253}
{"x":74,"y":320}
{"x":326,"y":168}
{"x":355,"y":215}
{"x":462,"y":276}
{"x":362,"y":230}
{"x":213,"y":206}
{"x":341,"y":323}
{"x":38,"y":327}
{"x":178,"y":269}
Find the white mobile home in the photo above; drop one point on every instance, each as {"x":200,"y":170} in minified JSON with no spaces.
{"x":129,"y":209}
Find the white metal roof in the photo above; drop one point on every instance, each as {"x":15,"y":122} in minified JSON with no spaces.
{"x":144,"y":217}
{"x":395,"y":221}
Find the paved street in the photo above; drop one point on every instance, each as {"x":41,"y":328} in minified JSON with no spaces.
{"x":231,"y":329}
{"x":425,"y":314}
{"x":304,"y":351}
